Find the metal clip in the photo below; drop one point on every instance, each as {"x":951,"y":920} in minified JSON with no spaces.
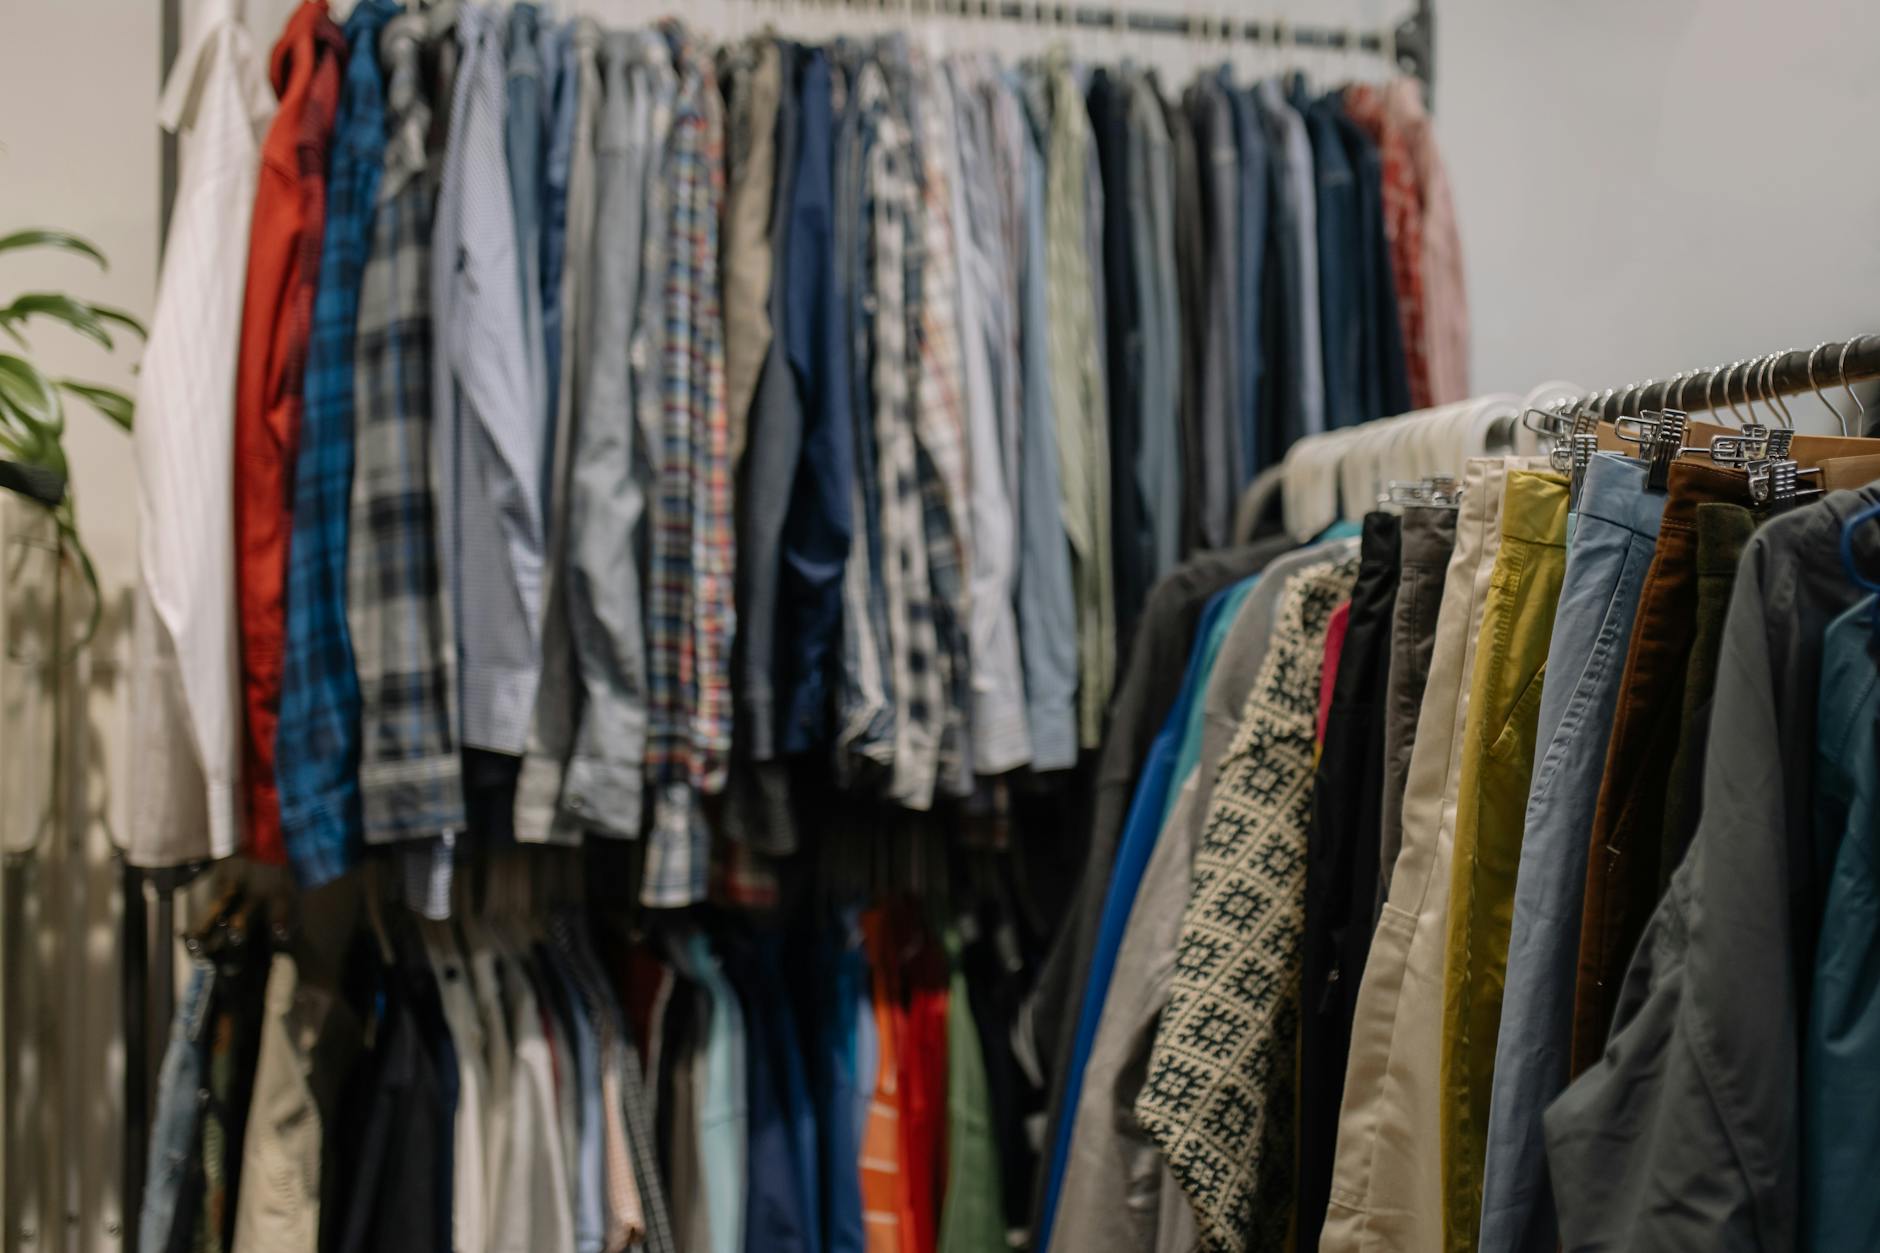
{"x":1580,"y":450}
{"x":1645,"y":423}
{"x":1779,"y":482}
{"x":1667,"y":443}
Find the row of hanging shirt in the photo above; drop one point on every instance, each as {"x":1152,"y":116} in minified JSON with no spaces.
{"x":1518,"y":894}
{"x":611,"y":423}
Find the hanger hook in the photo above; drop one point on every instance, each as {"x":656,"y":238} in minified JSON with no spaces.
{"x":1812,"y":352}
{"x":1776,"y":399}
{"x":1860,"y":410}
{"x":1752,"y":372}
{"x":1680,"y":380}
{"x":1740,"y":364}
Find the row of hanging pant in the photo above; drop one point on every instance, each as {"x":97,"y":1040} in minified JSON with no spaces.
{"x":547,"y":1074}
{"x":1500,"y":877}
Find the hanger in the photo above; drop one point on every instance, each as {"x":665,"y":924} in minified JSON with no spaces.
{"x":1848,"y":531}
{"x":1838,"y":416}
{"x":1859,"y":408}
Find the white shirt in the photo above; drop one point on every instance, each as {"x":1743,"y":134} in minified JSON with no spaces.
{"x":218,"y":103}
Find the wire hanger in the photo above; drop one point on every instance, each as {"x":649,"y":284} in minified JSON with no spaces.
{"x":1860,"y":409}
{"x":1838,"y":416}
{"x":1870,"y":514}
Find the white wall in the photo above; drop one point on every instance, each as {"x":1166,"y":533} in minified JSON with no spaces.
{"x":1651,"y":187}
{"x":78,"y":82}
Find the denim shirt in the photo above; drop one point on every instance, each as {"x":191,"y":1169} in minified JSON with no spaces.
{"x":1047,"y":610}
{"x":487,"y":437}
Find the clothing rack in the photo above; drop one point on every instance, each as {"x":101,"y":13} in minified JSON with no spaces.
{"x":1411,"y":43}
{"x":1826,"y":365}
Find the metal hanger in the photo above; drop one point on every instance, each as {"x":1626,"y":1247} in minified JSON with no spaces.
{"x":1776,"y":399}
{"x":1839,"y":419}
{"x":1848,"y":531}
{"x":1860,"y":410}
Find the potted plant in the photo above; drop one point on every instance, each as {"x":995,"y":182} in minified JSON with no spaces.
{"x":32,"y":403}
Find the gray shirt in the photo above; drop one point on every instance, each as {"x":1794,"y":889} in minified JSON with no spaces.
{"x":1000,"y":736}
{"x":543,"y":811}
{"x":606,"y":497}
{"x":488,"y":437}
{"x":1152,"y":246}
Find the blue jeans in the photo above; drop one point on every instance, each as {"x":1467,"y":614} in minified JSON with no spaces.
{"x":1611,"y":547}
{"x":175,"y":1130}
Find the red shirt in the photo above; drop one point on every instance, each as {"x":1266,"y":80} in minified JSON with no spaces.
{"x":1403,"y":228}
{"x":924,"y":1070}
{"x":277,"y":314}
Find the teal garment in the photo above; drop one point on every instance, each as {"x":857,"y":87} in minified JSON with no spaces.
{"x":1841,"y":1050}
{"x":722,"y":1106}
{"x":1188,"y":752}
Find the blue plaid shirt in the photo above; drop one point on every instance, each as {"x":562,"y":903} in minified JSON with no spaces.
{"x":317,"y":742}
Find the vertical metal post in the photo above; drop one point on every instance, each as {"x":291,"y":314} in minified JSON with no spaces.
{"x":135,"y":962}
{"x":139,"y":1006}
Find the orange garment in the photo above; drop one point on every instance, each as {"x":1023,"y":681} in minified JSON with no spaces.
{"x":277,"y":314}
{"x":885,"y":1208}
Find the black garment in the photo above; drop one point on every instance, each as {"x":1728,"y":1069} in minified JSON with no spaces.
{"x":991,"y":955}
{"x":1191,"y":289}
{"x":489,"y":797}
{"x":1132,"y":544}
{"x":1150,"y":683}
{"x":441,"y":1051}
{"x":397,"y":1121}
{"x":1341,"y":864}
{"x":1384,"y":374}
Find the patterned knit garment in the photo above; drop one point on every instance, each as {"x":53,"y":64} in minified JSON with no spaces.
{"x":1219,"y":1098}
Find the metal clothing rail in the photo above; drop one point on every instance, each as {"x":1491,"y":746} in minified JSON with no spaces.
{"x":1828,"y":365}
{"x":1411,"y":44}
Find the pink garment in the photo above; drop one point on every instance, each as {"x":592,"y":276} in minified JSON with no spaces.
{"x":1445,"y":295}
{"x":1328,"y":675}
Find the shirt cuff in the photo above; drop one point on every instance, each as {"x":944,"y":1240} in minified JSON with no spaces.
{"x":1053,"y":737}
{"x":605,"y":796}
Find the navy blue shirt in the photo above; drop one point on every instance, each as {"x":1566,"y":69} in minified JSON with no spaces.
{"x":819,"y":525}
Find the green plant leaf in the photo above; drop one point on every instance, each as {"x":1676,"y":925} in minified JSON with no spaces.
{"x":112,"y":403}
{"x":42,"y":237}
{"x":66,"y":515}
{"x":76,"y":314}
{"x":28,"y":395}
{"x":123,"y":318}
